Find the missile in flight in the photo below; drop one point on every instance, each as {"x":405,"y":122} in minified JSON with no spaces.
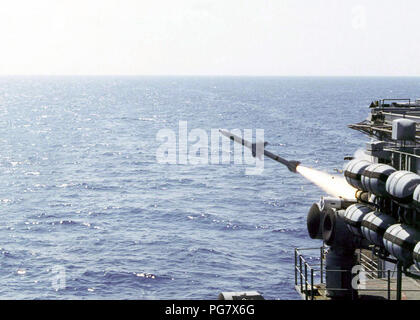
{"x":291,"y":165}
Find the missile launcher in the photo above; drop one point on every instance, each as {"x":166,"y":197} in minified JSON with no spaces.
{"x":370,"y":243}
{"x":371,"y":247}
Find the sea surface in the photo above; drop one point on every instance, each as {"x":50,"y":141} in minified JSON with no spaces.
{"x":87,"y":211}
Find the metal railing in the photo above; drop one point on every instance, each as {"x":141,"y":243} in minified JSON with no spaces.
{"x":393,"y":100}
{"x":305,"y":273}
{"x":403,"y":160}
{"x":310,"y":279}
{"x":369,"y":265}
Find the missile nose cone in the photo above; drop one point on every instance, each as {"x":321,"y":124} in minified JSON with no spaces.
{"x":229,"y":135}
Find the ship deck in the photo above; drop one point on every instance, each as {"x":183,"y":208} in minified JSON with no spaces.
{"x":375,"y":282}
{"x":376,"y":289}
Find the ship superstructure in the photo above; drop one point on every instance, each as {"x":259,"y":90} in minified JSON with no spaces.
{"x":370,"y":229}
{"x":371,"y":243}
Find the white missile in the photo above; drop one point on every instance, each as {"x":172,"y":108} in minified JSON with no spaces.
{"x":291,"y":165}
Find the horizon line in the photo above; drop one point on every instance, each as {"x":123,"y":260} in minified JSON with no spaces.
{"x":210,"y":75}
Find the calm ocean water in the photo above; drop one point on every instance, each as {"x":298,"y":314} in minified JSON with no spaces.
{"x":81,"y":191}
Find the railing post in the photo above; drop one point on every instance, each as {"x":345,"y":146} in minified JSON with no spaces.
{"x":354,"y":292}
{"x":312,"y":284}
{"x":389,"y":284}
{"x":296,"y":281}
{"x":306,"y":281}
{"x":399,"y":280}
{"x":300,"y":274}
{"x":322,"y":265}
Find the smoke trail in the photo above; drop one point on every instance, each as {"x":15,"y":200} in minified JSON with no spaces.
{"x":361,"y":154}
{"x":334,"y":185}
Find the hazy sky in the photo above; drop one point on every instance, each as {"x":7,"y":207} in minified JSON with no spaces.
{"x":219,"y":37}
